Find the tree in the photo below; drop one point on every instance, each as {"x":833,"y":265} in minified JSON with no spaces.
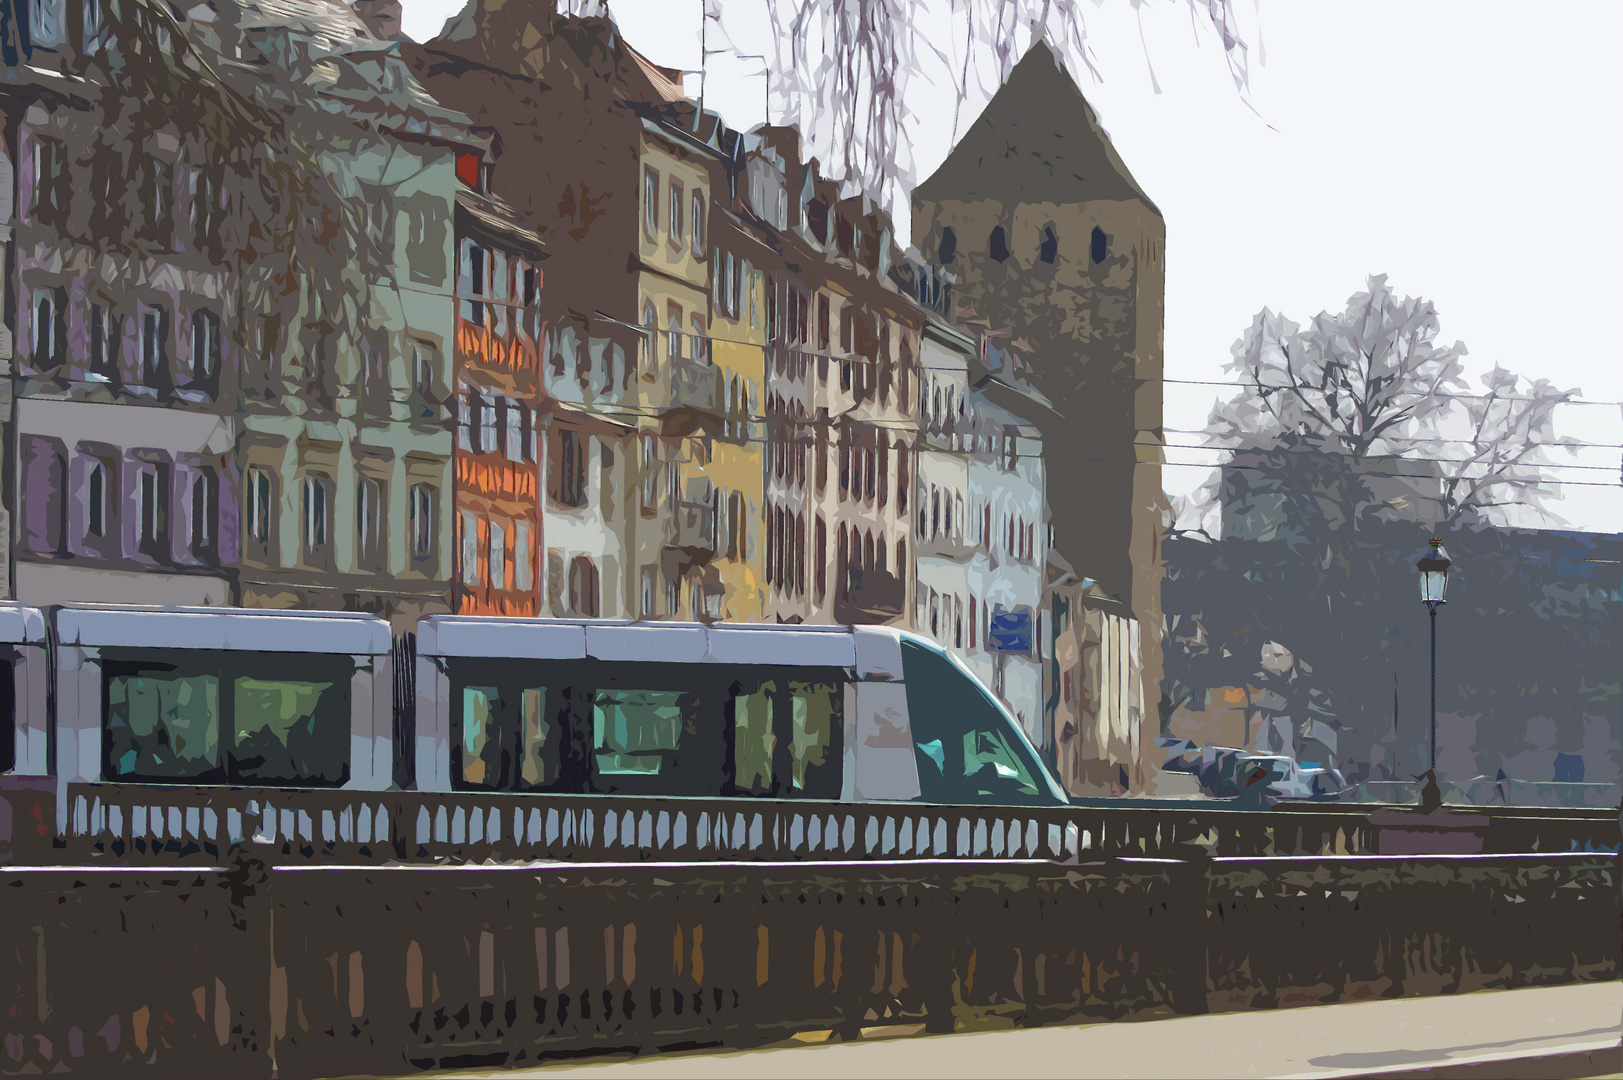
{"x":1331,"y":413}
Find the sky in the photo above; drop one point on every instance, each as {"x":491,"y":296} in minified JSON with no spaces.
{"x":1468,"y":150}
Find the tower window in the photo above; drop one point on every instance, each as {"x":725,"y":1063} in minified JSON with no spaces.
{"x":1050,"y":245}
{"x":1101,"y":245}
{"x":997,"y":245}
{"x":949,"y":245}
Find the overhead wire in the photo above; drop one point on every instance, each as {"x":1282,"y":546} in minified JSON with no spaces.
{"x":623,"y":410}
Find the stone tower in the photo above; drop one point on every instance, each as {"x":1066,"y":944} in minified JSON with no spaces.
{"x":1055,"y":251}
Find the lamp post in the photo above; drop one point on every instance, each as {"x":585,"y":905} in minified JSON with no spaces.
{"x":1433,"y":568}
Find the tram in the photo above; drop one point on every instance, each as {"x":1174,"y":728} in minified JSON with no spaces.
{"x":287,"y":700}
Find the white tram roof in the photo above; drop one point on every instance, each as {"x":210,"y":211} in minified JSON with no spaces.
{"x":670,"y":642}
{"x":21,"y":625}
{"x":234,"y":629}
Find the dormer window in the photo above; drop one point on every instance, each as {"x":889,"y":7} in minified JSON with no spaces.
{"x":817,"y":220}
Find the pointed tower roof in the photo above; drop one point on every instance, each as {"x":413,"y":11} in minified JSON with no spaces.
{"x":1037,"y":140}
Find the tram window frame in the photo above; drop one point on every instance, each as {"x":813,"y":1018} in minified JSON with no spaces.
{"x":230,"y":764}
{"x":512,"y":678}
{"x":819,"y":781}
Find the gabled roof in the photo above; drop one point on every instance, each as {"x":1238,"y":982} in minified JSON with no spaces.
{"x":1037,"y":140}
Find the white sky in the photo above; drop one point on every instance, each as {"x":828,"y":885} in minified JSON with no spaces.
{"x":1467,"y":149}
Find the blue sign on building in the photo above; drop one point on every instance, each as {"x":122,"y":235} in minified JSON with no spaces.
{"x":1010,"y":631}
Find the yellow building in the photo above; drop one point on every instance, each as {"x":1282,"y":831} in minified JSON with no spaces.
{"x":736,"y":464}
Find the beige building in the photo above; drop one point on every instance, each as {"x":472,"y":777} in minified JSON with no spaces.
{"x":842,"y":378}
{"x":1056,"y":249}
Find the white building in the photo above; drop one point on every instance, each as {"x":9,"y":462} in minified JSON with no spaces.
{"x":981,"y":524}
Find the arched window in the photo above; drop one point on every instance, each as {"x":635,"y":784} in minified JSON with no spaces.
{"x":948,"y":247}
{"x":1101,"y":245}
{"x":997,"y":245}
{"x":1049,"y":250}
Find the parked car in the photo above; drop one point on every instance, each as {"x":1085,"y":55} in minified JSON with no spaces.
{"x":1283,"y":777}
{"x":1218,"y":765}
{"x":1183,"y":756}
{"x":1326,"y":784}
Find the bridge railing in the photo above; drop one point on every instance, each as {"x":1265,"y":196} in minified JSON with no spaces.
{"x":160,"y":823}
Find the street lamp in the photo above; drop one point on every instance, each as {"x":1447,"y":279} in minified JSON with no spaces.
{"x":1433,"y":568}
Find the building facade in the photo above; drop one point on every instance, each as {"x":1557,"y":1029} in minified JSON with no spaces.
{"x":235,"y":349}
{"x":500,"y":403}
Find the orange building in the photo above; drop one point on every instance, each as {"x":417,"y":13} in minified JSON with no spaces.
{"x":500,"y":403}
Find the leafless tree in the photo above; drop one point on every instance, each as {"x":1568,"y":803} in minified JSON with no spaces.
{"x":1373,"y":383}
{"x":292,"y":246}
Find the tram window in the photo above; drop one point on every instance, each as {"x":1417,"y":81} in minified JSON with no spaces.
{"x":483,"y":763}
{"x":636,"y":733}
{"x":753,"y":740}
{"x":162,"y":725}
{"x":783,"y":741}
{"x":815,"y":716}
{"x":538,"y":746}
{"x":290,"y":731}
{"x":208,"y":718}
{"x":967,"y":748}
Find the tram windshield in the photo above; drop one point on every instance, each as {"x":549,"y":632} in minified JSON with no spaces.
{"x":968,"y":748}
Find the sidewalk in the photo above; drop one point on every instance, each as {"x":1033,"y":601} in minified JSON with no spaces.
{"x":1556,"y":1032}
